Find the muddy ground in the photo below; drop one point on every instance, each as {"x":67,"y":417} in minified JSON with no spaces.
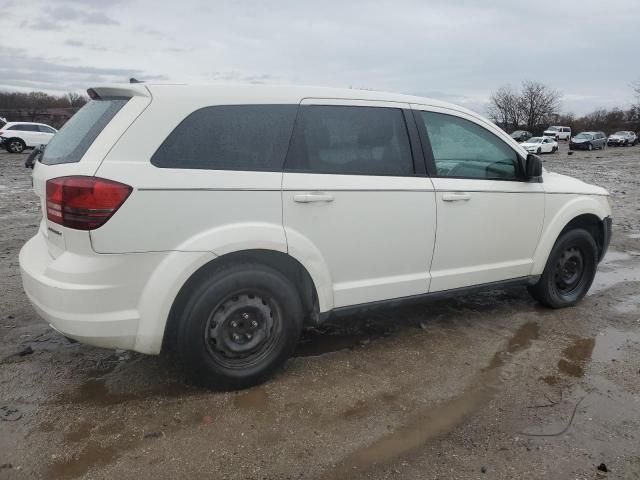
{"x":488,"y":385}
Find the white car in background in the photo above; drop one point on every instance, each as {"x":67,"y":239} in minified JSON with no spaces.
{"x":622,"y":139}
{"x":540,"y":145}
{"x":18,"y":136}
{"x":559,"y":133}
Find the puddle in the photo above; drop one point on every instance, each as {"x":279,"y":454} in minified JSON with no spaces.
{"x":93,"y":455}
{"x":363,"y":407}
{"x":432,"y":422}
{"x":550,"y":380}
{"x":629,"y":305}
{"x":254,"y":399}
{"x":81,"y":432}
{"x":606,"y":347}
{"x":316,"y":343}
{"x":95,"y":391}
{"x":609,"y":278}
{"x":614,"y":256}
{"x":611,"y":344}
{"x":576,"y":356}
{"x":522,"y":339}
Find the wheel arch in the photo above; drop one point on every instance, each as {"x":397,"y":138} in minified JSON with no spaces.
{"x":287,"y":265}
{"x":8,"y":140}
{"x":583,"y":212}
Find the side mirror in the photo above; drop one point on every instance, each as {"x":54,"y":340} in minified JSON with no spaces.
{"x":533,"y":167}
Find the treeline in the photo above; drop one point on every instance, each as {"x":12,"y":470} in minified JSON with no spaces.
{"x":608,"y":121}
{"x":40,"y":107}
{"x":535,"y":106}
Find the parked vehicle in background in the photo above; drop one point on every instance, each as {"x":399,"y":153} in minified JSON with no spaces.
{"x":540,"y":145}
{"x":254,"y":210}
{"x":622,"y":138}
{"x":559,"y":133}
{"x":588,"y":141}
{"x":521,"y":135}
{"x":18,"y":136}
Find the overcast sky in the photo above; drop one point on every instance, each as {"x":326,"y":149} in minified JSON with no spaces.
{"x":453,"y":50}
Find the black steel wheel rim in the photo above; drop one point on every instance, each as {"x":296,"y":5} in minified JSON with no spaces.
{"x":569,"y":272}
{"x":243,"y":329}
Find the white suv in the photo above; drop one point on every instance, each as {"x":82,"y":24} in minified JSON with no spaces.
{"x":17,"y":136}
{"x":218,"y":221}
{"x":559,"y":133}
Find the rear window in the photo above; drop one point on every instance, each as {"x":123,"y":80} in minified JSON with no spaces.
{"x":76,"y":136}
{"x":230,"y":137}
{"x":351,"y":141}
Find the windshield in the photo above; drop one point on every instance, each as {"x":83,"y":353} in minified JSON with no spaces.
{"x":622,"y":134}
{"x":535,"y":140}
{"x":553,"y":129}
{"x":74,"y":139}
{"x":586,"y":136}
{"x":517,"y":133}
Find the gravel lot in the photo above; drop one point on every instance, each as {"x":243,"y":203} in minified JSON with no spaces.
{"x":488,"y":385}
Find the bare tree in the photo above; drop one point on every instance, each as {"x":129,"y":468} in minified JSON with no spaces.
{"x":636,"y":90}
{"x":76,"y":100}
{"x":532,"y":106}
{"x":538,"y":103}
{"x":504,"y":108}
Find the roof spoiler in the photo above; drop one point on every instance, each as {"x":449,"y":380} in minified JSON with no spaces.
{"x":119,"y":90}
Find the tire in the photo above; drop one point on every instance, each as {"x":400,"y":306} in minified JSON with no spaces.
{"x":238,"y":327}
{"x":555,"y":149}
{"x":589,"y":147}
{"x":569,"y":271}
{"x":539,"y":151}
{"x":15,"y":145}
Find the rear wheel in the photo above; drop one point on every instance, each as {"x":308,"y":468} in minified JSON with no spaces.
{"x":569,"y":271}
{"x":239,"y":326}
{"x":15,"y":145}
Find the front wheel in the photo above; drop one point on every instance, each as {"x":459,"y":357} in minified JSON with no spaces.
{"x":569,"y":271}
{"x":539,"y":151}
{"x":589,"y":147}
{"x":239,"y":326}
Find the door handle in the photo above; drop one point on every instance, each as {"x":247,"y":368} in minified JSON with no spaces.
{"x":456,"y":197}
{"x":313,"y":197}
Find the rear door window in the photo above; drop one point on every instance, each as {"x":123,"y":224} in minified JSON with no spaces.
{"x":230,"y":137}
{"x":76,"y":136}
{"x":351,"y":140}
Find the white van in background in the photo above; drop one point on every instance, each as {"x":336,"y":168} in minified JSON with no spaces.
{"x":559,"y":133}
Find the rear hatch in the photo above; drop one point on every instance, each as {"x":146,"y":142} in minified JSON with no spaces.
{"x":78,"y":149}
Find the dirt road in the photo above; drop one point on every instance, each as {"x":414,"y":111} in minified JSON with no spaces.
{"x":483,"y":386}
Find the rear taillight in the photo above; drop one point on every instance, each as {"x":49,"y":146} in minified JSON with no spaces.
{"x":84,"y":203}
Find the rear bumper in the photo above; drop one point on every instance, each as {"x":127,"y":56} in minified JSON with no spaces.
{"x":89,"y":298}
